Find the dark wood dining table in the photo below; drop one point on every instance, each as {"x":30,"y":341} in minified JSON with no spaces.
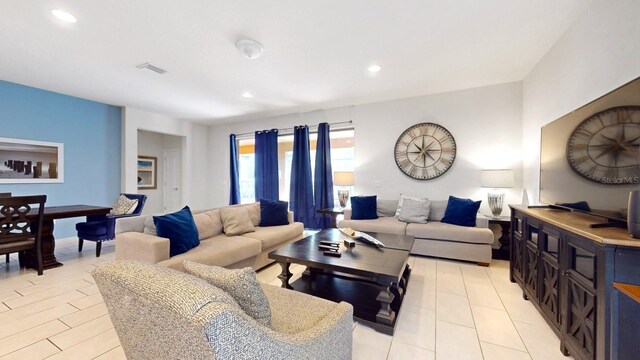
{"x":52,"y":213}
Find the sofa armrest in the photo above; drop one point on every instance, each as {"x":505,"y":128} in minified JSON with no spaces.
{"x":347,"y":214}
{"x":290,"y":217}
{"x":141,"y":247}
{"x":233,"y":334}
{"x":482,"y":221}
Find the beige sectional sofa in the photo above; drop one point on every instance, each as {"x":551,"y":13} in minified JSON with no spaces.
{"x":136,"y":240}
{"x":433,"y":238}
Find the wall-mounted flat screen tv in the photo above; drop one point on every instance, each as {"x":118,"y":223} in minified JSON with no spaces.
{"x":590,"y":158}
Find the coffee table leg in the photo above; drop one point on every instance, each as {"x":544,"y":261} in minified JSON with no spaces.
{"x":285,"y":275}
{"x":385,"y":315}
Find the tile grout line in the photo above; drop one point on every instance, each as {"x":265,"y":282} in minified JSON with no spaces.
{"x":509,"y":315}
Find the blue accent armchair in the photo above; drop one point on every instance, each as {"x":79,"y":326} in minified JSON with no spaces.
{"x":101,"y":228}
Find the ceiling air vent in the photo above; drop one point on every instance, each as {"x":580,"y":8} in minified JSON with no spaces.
{"x":152,"y":68}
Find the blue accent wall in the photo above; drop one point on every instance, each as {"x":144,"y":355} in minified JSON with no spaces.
{"x":90,"y":132}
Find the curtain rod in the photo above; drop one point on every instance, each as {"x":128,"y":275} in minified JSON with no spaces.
{"x":290,"y":129}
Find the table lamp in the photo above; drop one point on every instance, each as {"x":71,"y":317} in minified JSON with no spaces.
{"x":343,"y":178}
{"x":496,"y":180}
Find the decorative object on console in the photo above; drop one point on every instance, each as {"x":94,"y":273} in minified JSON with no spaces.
{"x":346,"y":179}
{"x":604,"y":147}
{"x":633,"y":220}
{"x":425,"y":151}
{"x":496,"y":180}
{"x":364,"y":207}
{"x":461,"y":212}
{"x":147,"y":171}
{"x":180,"y":229}
{"x":273,"y":213}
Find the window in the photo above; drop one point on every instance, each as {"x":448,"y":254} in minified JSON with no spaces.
{"x":342,"y":159}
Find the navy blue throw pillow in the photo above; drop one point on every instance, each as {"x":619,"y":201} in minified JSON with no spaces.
{"x":274,"y":213}
{"x":363,"y":207}
{"x":461,"y":212}
{"x":180,"y":229}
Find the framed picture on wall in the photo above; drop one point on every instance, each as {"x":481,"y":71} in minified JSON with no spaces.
{"x":31,"y":161}
{"x":147,"y":172}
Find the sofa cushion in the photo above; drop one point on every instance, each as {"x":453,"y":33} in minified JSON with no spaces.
{"x":363,"y":207}
{"x":236,"y":220}
{"x":437,"y":209}
{"x":273,"y":213}
{"x":386,"y":207}
{"x":254,"y":211}
{"x":414,"y":210}
{"x":220,"y":250}
{"x":384,"y":224}
{"x":209,"y":223}
{"x":180,"y":229}
{"x":241,"y":284}
{"x":442,"y":231}
{"x":461,"y":211}
{"x":401,"y":202}
{"x":273,"y":235}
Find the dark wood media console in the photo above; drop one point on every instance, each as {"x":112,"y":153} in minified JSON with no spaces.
{"x":567,"y":271}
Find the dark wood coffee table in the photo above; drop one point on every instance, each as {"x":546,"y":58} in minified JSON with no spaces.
{"x":373,"y":280}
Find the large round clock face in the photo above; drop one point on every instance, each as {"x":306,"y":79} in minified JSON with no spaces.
{"x":606,"y":146}
{"x":425,"y":151}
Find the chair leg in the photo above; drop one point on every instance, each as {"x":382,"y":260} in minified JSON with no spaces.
{"x":7,"y":257}
{"x":21,"y":259}
{"x":80,"y":243}
{"x":98,"y":248}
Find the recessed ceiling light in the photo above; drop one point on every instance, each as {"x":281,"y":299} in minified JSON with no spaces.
{"x":247,"y":95}
{"x":64,"y":16}
{"x":374,"y":68}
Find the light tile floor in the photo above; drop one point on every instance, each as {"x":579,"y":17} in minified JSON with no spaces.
{"x":452,"y":310}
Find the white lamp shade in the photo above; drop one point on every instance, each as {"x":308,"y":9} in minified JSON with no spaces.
{"x":343,"y":178}
{"x":496,"y":178}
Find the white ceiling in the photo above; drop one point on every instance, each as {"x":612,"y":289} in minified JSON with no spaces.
{"x":316,"y":51}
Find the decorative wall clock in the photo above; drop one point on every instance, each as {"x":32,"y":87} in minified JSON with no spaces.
{"x":605,"y":147}
{"x":425,"y":151}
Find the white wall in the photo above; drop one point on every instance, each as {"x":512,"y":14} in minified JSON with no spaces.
{"x":485,"y":122}
{"x":195,"y":156}
{"x":599,"y":52}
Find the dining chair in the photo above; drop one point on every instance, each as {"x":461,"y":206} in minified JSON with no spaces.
{"x":20,"y":231}
{"x":6,"y":194}
{"x":103,"y":228}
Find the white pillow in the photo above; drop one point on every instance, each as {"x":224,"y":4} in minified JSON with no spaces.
{"x":414,"y":211}
{"x":133,"y":207}
{"x":122,"y":205}
{"x":401,"y":201}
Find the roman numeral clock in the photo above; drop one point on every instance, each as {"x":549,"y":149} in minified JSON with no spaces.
{"x":605,"y":147}
{"x":425,"y":151}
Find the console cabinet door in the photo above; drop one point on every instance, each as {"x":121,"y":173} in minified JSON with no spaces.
{"x":582,"y":299}
{"x":517,"y":248}
{"x":550,"y":245}
{"x":531,"y":260}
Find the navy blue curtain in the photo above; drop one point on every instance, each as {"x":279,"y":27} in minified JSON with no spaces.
{"x":234,"y":192}
{"x":301,"y":192}
{"x":322,"y":177}
{"x":266,"y":165}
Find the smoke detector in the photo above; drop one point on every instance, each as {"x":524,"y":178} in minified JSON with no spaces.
{"x":251,"y":49}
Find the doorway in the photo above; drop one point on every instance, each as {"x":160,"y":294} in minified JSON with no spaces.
{"x":167,"y":149}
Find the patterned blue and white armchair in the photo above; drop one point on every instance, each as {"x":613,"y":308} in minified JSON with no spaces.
{"x":160,"y":313}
